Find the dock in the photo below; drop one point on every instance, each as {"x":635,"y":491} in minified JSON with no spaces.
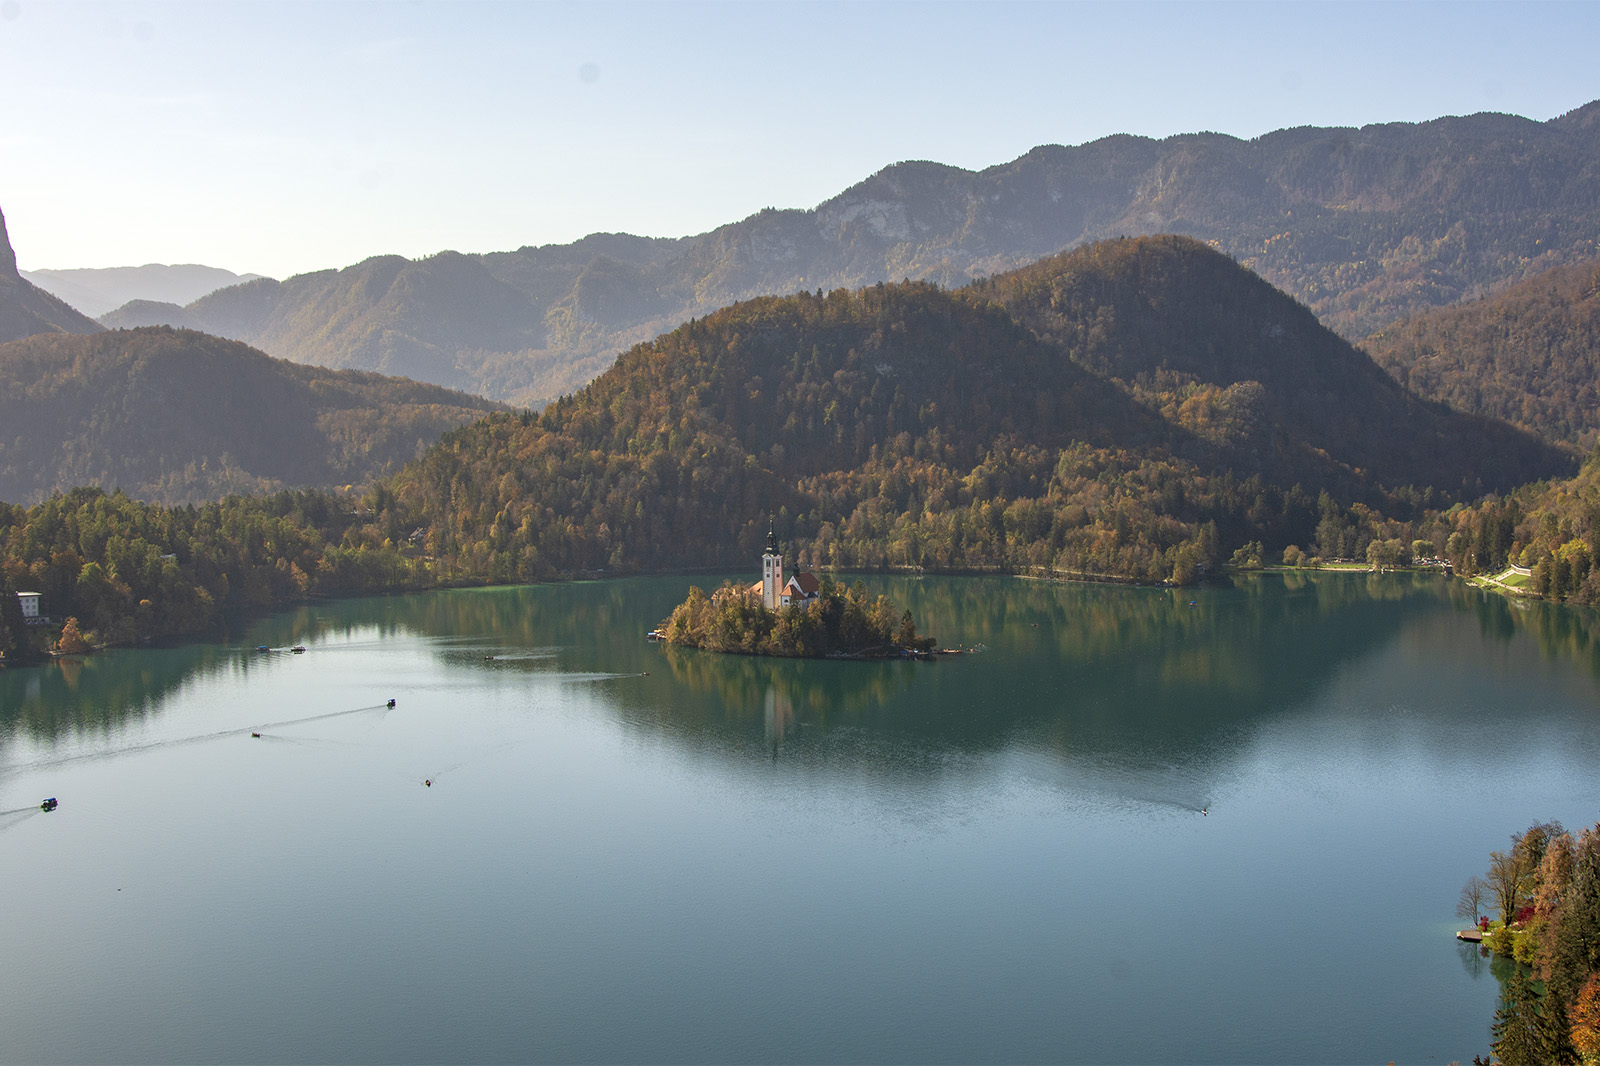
{"x":1474,"y":935}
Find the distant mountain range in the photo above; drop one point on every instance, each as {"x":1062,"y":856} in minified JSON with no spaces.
{"x":26,"y":309}
{"x":1365,"y":226}
{"x":176,"y":416}
{"x":96,"y":291}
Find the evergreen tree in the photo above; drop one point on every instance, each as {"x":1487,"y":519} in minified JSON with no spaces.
{"x":14,"y":643}
{"x":1524,"y":1032}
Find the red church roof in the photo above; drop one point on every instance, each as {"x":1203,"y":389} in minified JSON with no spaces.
{"x":806,"y":583}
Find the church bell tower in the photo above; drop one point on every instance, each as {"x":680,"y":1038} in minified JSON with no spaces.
{"x":771,"y":573}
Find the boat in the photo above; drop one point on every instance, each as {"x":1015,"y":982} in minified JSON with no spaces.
{"x":48,"y":805}
{"x":298,"y":648}
{"x":262,"y":647}
{"x":390,"y":703}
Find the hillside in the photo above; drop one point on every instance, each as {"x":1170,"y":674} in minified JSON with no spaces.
{"x":25,"y":309}
{"x":95,"y":291}
{"x":1015,"y":425}
{"x":1550,"y":527}
{"x":1003,"y":425}
{"x":1224,"y":355}
{"x":1364,"y":226}
{"x":1529,"y":354}
{"x":178,"y":416}
{"x":136,"y":313}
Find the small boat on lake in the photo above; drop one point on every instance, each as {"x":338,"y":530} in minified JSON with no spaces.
{"x":262,"y":647}
{"x":390,"y":703}
{"x":48,"y":805}
{"x":298,"y":648}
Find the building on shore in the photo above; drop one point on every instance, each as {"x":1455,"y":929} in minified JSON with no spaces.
{"x":30,"y":609}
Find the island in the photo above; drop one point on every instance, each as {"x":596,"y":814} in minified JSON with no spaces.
{"x":801,"y":617}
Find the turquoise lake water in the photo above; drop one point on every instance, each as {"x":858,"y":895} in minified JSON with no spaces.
{"x":1133,"y":829}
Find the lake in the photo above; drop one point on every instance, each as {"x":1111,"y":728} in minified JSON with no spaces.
{"x":1214,"y":825}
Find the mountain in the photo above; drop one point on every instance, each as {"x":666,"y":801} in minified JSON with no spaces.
{"x":1529,"y":354}
{"x":96,"y":291}
{"x":1132,"y":407}
{"x":179,"y":416}
{"x":25,"y":309}
{"x":136,"y":313}
{"x":387,"y":313}
{"x":1363,"y":225}
{"x":1219,"y":352}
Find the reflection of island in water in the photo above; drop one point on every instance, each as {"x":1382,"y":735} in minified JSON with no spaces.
{"x":1146,"y":693}
{"x":1134,"y":681}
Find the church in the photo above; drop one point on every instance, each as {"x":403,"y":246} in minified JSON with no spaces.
{"x":773,"y":591}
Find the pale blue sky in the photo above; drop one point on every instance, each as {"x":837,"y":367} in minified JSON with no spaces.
{"x":284,"y":137}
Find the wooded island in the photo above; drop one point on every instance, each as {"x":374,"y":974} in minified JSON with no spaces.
{"x":801,"y":618}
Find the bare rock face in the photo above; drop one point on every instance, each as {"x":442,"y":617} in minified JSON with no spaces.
{"x":25,"y":309}
{"x":8,"y":258}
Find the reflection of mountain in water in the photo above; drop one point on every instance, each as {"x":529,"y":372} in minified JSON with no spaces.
{"x":1150,"y":692}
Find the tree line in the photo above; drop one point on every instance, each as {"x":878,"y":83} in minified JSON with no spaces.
{"x":1546,"y":888}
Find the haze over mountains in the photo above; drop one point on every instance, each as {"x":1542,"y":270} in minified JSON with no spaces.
{"x":176,"y":416}
{"x":1364,"y":225}
{"x":96,"y":291}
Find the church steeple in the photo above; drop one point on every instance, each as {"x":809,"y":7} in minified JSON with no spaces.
{"x":771,"y":572}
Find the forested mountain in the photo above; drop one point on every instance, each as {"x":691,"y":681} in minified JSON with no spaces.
{"x":179,"y":416}
{"x":1529,"y":355}
{"x":1133,"y":408}
{"x":1363,"y":225}
{"x":1229,"y":358}
{"x":98,"y":290}
{"x":1124,"y":410}
{"x":25,"y":309}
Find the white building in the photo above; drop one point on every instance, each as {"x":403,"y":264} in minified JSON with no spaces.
{"x":772,"y":574}
{"x":774,"y":590}
{"x":30,"y":604}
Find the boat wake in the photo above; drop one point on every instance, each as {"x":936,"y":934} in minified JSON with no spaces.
{"x":254,"y":731}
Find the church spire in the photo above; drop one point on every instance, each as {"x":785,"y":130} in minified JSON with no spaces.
{"x":771,"y":572}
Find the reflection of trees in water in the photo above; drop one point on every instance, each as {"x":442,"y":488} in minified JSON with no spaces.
{"x":609,"y":617}
{"x":1080,"y":668}
{"x":96,"y":693}
{"x":744,"y":687}
{"x":1475,"y":959}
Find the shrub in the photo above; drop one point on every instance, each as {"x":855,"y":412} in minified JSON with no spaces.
{"x":1500,"y":940}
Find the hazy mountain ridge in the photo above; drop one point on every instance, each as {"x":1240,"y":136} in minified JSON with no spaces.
{"x":26,"y":309}
{"x":95,"y":291}
{"x":1363,"y":225}
{"x":1529,"y":354}
{"x":137,"y":313}
{"x":178,"y":416}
